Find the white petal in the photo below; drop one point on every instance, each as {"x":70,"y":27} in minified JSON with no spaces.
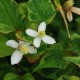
{"x":42,"y":27}
{"x":49,"y":40}
{"x":16,"y":57}
{"x":21,"y":42}
{"x":32,"y":50}
{"x":37,"y":42}
{"x":31,"y":32}
{"x":12,"y":43}
{"x":69,"y":16}
{"x":75,"y":10}
{"x":25,"y":43}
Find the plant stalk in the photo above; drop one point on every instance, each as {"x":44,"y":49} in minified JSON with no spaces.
{"x":59,"y":7}
{"x":64,"y":18}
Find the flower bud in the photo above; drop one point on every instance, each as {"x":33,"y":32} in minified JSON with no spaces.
{"x":67,"y":5}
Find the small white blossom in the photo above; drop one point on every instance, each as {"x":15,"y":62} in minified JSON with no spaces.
{"x":40,"y":35}
{"x":22,"y":48}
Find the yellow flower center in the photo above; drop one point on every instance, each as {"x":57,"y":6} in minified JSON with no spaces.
{"x":24,"y":49}
{"x":41,"y":33}
{"x":67,"y":5}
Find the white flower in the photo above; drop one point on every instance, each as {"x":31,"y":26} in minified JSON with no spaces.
{"x":21,"y":49}
{"x":40,"y":35}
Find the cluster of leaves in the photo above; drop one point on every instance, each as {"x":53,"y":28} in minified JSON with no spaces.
{"x":60,"y":61}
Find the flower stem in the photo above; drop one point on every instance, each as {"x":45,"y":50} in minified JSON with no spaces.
{"x":59,"y":7}
{"x":64,"y":18}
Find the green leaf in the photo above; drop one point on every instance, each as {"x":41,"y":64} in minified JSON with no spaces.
{"x":5,"y":67}
{"x":74,"y":78}
{"x":42,"y":49}
{"x":5,"y":28}
{"x":64,"y":77}
{"x":75,"y":60}
{"x":28,"y":76}
{"x":53,"y":58}
{"x":40,"y":10}
{"x":11,"y":76}
{"x":74,"y":36}
{"x":76,"y":46}
{"x":63,"y":38}
{"x":49,"y":73}
{"x":78,"y":20}
{"x":67,"y":77}
{"x":4,"y":49}
{"x":9,"y":16}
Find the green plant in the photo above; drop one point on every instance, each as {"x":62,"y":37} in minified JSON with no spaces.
{"x":29,"y":27}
